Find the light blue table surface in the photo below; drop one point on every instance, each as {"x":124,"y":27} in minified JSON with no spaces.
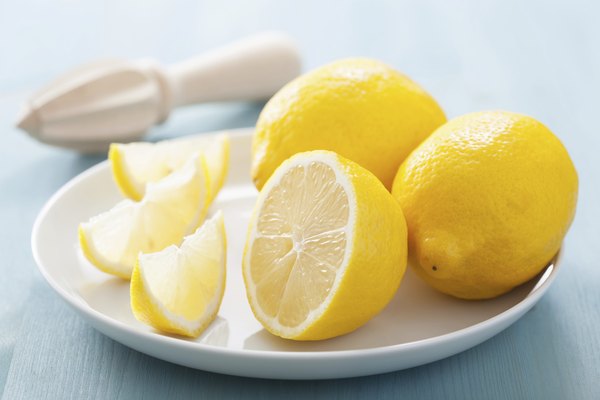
{"x":537,"y":57}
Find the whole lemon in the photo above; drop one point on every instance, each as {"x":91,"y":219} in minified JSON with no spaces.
{"x":360,"y":108}
{"x":488,"y":198}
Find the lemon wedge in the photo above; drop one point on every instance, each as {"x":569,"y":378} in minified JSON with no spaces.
{"x":136,"y":164}
{"x":179,"y":289}
{"x":171,"y":208}
{"x":326,"y":248}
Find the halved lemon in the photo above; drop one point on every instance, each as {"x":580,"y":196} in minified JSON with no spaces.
{"x":179,"y":289}
{"x":171,"y":208}
{"x":136,"y":164}
{"x":326,"y":248}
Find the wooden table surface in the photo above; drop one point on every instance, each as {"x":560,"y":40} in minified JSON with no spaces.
{"x":536,"y":57}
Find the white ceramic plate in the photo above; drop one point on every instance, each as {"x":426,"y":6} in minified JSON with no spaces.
{"x":419,"y":326}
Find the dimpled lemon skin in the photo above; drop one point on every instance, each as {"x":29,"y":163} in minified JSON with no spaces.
{"x":360,"y":108}
{"x":488,"y":198}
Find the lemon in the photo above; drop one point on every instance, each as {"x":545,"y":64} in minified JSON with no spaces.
{"x":179,"y":289}
{"x":360,"y":108}
{"x":171,"y":208}
{"x":326,"y":248}
{"x":136,"y":164}
{"x":488,"y":198}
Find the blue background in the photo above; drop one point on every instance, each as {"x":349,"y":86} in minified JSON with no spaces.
{"x":537,"y":57}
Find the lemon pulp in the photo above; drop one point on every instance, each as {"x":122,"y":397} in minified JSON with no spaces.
{"x":302,"y":248}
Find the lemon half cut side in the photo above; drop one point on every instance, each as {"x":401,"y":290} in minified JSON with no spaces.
{"x":326,"y":248}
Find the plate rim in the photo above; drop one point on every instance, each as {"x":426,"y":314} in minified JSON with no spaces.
{"x":87,"y":311}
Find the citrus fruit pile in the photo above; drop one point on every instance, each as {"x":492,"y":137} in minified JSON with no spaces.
{"x":485,"y":199}
{"x":359,"y":174}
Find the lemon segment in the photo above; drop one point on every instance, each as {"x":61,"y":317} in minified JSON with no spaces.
{"x":136,"y":164}
{"x":326,"y":248}
{"x":179,"y":289}
{"x":171,"y":208}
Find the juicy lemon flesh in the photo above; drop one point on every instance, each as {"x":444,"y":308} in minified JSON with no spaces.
{"x":180,"y":298}
{"x":108,"y":234}
{"x":298,"y":250}
{"x":172,"y":208}
{"x":136,"y":164}
{"x":185,"y":279}
{"x":185,"y":284}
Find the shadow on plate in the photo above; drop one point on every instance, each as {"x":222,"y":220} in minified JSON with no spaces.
{"x":417,"y":312}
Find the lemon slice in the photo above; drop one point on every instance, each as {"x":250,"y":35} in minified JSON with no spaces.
{"x":179,"y":289}
{"x":136,"y":164}
{"x":172,"y":208}
{"x":326,"y":248}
